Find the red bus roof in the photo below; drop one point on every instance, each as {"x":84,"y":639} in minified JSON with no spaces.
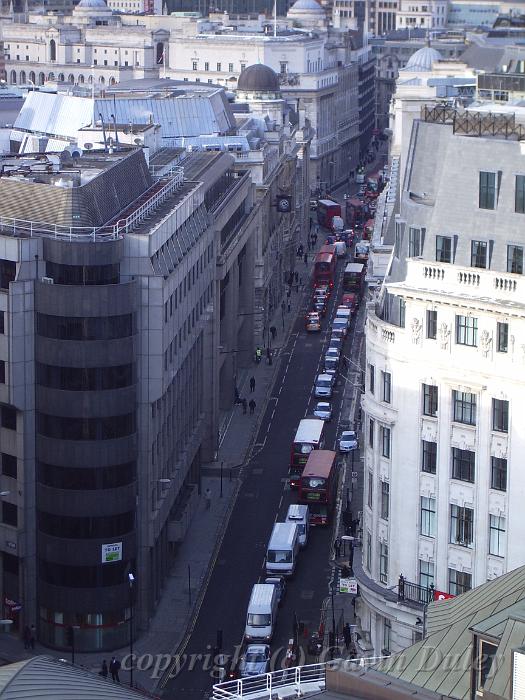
{"x":320,"y":463}
{"x":324,"y":257}
{"x":327,"y":248}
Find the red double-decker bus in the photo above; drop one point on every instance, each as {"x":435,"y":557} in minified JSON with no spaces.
{"x":328,"y":248}
{"x":356,"y":212}
{"x":318,"y":486}
{"x":309,"y":436}
{"x":326,"y":210}
{"x":324,"y":268}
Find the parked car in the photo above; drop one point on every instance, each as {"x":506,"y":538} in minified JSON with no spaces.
{"x":333,"y":351}
{"x":280,"y":583}
{"x":313,"y":321}
{"x":348,"y":441}
{"x":324,"y":385}
{"x":255,"y":660}
{"x":322,"y":289}
{"x":320,"y":305}
{"x":323,"y":410}
{"x":350,"y":301}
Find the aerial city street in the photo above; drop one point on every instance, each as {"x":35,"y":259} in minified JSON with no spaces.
{"x":262,"y":340}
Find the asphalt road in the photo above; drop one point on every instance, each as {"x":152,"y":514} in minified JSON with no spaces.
{"x":263,"y":499}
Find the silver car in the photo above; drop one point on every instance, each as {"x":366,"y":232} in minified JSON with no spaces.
{"x":255,"y":660}
{"x":323,"y":410}
{"x":348,"y":441}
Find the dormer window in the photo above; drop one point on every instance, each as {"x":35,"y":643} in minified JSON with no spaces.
{"x":484,"y":654}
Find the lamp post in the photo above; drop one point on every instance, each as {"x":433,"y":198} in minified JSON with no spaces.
{"x":332,"y":645}
{"x":131,"y":579}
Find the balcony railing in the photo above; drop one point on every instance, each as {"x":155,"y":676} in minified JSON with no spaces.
{"x":408,"y":592}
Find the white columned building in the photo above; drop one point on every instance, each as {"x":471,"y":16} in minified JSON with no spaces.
{"x":445,"y":390}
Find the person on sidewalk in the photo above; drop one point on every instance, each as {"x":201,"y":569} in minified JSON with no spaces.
{"x":114,"y":668}
{"x":252,"y":384}
{"x":207,"y":498}
{"x":305,"y":258}
{"x":269,"y":355}
{"x":32,"y":637}
{"x":27,"y":637}
{"x":252,"y":405}
{"x":273,"y":331}
{"x":104,"y":669}
{"x":244,"y":405}
{"x":347,"y":635}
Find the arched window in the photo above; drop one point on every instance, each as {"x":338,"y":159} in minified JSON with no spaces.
{"x":52,"y":50}
{"x":101,"y":80}
{"x":81,"y":80}
{"x":51,"y":77}
{"x":71,"y":78}
{"x":61,"y":78}
{"x":112,"y":81}
{"x":32,"y":77}
{"x":41,"y":78}
{"x":90,"y":79}
{"x":160,"y":53}
{"x":22,"y":77}
{"x":13,"y":77}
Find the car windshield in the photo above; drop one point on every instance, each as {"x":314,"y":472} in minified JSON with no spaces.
{"x":258,"y":620}
{"x":324,"y":383}
{"x":279,"y":556}
{"x":348,"y":436}
{"x":303,"y":448}
{"x":255,"y":657}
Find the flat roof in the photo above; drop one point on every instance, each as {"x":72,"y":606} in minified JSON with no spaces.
{"x":319,"y":462}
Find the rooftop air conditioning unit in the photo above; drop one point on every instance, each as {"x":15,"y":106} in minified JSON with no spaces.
{"x":47,"y":280}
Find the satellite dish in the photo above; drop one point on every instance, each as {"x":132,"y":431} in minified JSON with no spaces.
{"x":139,"y":142}
{"x":88,"y":146}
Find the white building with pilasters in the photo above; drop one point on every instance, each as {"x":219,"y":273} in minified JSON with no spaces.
{"x":443,"y":438}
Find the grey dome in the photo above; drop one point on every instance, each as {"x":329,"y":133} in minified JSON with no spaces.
{"x":258,"y":78}
{"x":421,"y":61}
{"x":307,"y":6}
{"x":92,"y":3}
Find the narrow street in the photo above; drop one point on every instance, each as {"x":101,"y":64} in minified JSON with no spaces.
{"x":264,"y":498}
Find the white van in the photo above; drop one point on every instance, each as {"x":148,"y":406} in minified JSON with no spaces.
{"x":298,"y":514}
{"x":323,"y":386}
{"x":262,"y":613}
{"x":283,"y":548}
{"x":340,"y":249}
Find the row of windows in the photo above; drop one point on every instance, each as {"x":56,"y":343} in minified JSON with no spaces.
{"x":83,"y":274}
{"x":85,"y":378}
{"x":85,"y":576}
{"x":88,"y":328}
{"x":66,"y":428}
{"x":463,"y":465}
{"x":385,"y":438}
{"x":176,"y":344}
{"x":184,"y":287}
{"x":195,"y":66}
{"x":489,"y":189}
{"x":461,"y":530}
{"x":91,"y":478}
{"x":84,"y":528}
{"x":467,"y":331}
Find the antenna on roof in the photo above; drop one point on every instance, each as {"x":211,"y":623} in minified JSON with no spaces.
{"x":275,"y":18}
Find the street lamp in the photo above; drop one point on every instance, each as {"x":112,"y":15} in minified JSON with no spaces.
{"x":131,"y":579}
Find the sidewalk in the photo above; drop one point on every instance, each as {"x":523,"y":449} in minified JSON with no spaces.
{"x":186,"y":584}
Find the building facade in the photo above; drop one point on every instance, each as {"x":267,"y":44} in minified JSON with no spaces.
{"x":428,"y":15}
{"x":443,"y":489}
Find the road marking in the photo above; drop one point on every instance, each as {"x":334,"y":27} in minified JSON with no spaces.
{"x":257,"y":471}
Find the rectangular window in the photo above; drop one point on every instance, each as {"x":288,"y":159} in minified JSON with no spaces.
{"x":428,"y":516}
{"x":385,"y":499}
{"x":464,"y":407}
{"x":370,"y":498}
{"x":415,"y":242}
{"x":387,"y":635}
{"x":463,"y":465}
{"x":500,"y":415}
{"x":467,"y":330}
{"x":9,"y":465}
{"x":8,"y":417}
{"x":206,"y":66}
{"x":432,"y":320}
{"x":443,"y":249}
{"x":371,"y":378}
{"x":194,"y":65}
{"x":230,"y":67}
{"x":519,"y":196}
{"x":487,"y":190}
{"x":219,"y":68}
{"x":459,"y":582}
{"x":383,"y":562}
{"x":385,"y":441}
{"x":371,"y":427}
{"x":9,"y":514}
{"x":497,"y":536}
{"x":386,"y":381}
{"x":515,"y":259}
{"x":2,"y":372}
{"x":430,"y":400}
{"x":461,"y":526}
{"x":283,"y":67}
{"x":502,"y":337}
{"x":478,"y":254}
{"x":429,"y":456}
{"x":368,"y":550}
{"x":498,"y":473}
{"x":426,"y":574}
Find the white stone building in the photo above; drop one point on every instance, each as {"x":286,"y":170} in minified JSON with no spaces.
{"x":429,"y":14}
{"x":442,"y":437}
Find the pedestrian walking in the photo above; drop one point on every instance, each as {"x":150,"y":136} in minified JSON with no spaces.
{"x":337,"y":547}
{"x":289,"y":293}
{"x":305,"y":258}
{"x":104,"y":669}
{"x":252,"y":384}
{"x":27,"y":637}
{"x":283,"y":306}
{"x":315,"y":238}
{"x":289,"y":306}
{"x":309,"y":245}
{"x":207,"y":498}
{"x":237,"y":395}
{"x":296,"y":277}
{"x":252,"y":405}
{"x":32,"y":637}
{"x":244,"y":405}
{"x":273,"y":331}
{"x":269,"y":355}
{"x":114,"y":668}
{"x":347,"y":635}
